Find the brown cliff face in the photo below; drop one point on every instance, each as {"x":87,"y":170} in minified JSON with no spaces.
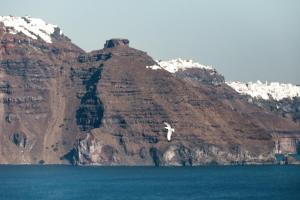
{"x":34,"y":82}
{"x":62,"y":105}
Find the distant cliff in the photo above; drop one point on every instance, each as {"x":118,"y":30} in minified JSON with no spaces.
{"x":61,"y":105}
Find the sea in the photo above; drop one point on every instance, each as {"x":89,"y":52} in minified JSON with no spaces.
{"x":268,"y":182}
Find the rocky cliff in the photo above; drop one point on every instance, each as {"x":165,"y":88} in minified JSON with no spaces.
{"x":59,"y":104}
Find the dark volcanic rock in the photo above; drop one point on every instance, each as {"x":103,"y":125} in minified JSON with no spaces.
{"x":19,"y":139}
{"x":90,"y":111}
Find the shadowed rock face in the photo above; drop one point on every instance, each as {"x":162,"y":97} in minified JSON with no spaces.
{"x":90,"y":111}
{"x":59,"y":104}
{"x":19,"y":139}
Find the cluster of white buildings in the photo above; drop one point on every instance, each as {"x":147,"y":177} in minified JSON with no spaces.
{"x":275,"y":90}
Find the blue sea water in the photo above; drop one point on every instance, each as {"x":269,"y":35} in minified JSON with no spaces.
{"x":210,"y":182}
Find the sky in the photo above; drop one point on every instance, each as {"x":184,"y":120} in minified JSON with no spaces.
{"x":244,"y":40}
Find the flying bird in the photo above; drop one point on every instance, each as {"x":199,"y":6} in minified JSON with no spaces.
{"x":170,"y":130}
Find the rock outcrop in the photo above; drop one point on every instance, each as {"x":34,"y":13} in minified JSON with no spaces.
{"x":116,"y":42}
{"x":59,"y":104}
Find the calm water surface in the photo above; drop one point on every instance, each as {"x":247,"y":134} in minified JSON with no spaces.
{"x":213,"y":182}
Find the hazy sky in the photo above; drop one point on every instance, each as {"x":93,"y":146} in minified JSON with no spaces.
{"x":243,"y":39}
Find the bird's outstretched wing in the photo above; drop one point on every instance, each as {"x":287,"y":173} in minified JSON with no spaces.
{"x":168,"y":126}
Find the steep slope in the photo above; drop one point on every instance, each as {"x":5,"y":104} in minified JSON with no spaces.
{"x":136,"y":95}
{"x":59,"y":104}
{"x":35,"y":65}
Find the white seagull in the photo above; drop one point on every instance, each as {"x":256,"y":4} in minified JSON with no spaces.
{"x":170,"y":130}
